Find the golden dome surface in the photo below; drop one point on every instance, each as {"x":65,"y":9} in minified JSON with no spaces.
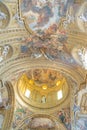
{"x":43,"y":88}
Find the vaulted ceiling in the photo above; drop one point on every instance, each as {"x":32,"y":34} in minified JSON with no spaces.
{"x":43,"y":63}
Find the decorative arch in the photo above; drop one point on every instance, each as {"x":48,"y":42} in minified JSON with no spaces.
{"x":7,"y":110}
{"x":40,"y":122}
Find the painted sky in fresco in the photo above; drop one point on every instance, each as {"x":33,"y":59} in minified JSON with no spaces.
{"x":41,"y":14}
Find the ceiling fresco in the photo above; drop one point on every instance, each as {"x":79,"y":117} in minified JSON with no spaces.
{"x":81,"y":124}
{"x":43,"y":64}
{"x":46,"y":84}
{"x":49,"y":22}
{"x":51,"y":39}
{"x":45,"y":76}
{"x":53,"y":48}
{"x":41,"y":15}
{"x":42,"y":122}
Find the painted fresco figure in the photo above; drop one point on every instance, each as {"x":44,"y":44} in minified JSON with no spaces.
{"x":61,"y":116}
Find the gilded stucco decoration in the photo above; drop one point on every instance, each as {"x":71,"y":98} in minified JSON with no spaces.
{"x":50,"y":86}
{"x":43,"y":46}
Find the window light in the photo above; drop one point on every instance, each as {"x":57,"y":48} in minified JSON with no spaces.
{"x":59,"y":94}
{"x":27,"y":93}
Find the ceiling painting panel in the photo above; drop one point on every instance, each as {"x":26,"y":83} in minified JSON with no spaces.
{"x":40,"y":15}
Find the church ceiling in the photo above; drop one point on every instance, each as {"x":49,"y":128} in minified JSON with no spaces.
{"x":43,"y":46}
{"x":53,"y":29}
{"x":50,"y":86}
